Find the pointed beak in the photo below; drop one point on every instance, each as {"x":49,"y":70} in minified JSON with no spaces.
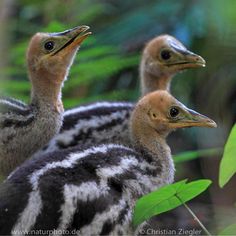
{"x":194,"y":118}
{"x":74,"y":37}
{"x":78,"y":34}
{"x":187,"y":58}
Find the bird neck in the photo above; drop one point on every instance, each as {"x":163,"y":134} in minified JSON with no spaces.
{"x":153,"y":79}
{"x":46,"y":91}
{"x":147,"y":140}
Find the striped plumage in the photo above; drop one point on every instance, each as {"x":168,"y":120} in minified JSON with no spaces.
{"x":27,"y":128}
{"x":24,"y":129}
{"x":91,"y":124}
{"x":162,"y":58}
{"x":15,"y":113}
{"x":74,"y":178}
{"x":93,"y":189}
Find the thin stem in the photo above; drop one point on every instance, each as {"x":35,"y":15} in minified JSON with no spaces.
{"x":196,"y":218}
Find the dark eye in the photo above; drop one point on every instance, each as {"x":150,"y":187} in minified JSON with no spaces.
{"x":49,"y":45}
{"x":174,"y":112}
{"x":165,"y":55}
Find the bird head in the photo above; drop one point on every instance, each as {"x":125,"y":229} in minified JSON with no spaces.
{"x":163,"y":113}
{"x":166,"y":54}
{"x":53,"y":53}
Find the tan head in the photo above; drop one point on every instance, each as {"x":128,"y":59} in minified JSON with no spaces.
{"x":161,"y":113}
{"x":51,"y":54}
{"x":171,"y":55}
{"x":162,"y":58}
{"x":49,"y":58}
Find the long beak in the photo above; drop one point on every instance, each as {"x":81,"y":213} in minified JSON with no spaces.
{"x":74,"y":37}
{"x":188,"y":59}
{"x":193,"y":118}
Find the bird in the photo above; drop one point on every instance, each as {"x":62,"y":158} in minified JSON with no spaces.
{"x":92,"y":190}
{"x":162,"y":58}
{"x":99,"y":122}
{"x":25,"y":128}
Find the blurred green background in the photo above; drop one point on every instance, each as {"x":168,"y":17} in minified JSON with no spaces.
{"x":107,"y":66}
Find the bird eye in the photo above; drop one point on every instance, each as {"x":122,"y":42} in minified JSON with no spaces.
{"x":174,"y":112}
{"x":49,"y":45}
{"x":165,"y":55}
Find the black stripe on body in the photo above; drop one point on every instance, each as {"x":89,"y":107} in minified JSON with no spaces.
{"x":85,"y":164}
{"x":86,"y":211}
{"x":34,"y":164}
{"x":84,"y":170}
{"x":123,"y":213}
{"x":13,"y":200}
{"x":13,"y":101}
{"x":71,"y":120}
{"x":13,"y":113}
{"x":114,"y":122}
{"x":107,"y":227}
{"x":94,"y":123}
{"x":38,"y":162}
{"x":17,"y":123}
{"x":106,"y":130}
{"x":8,"y":108}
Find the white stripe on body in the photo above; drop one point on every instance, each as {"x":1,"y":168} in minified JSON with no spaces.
{"x":67,"y":136}
{"x":35,"y":198}
{"x":8,"y":103}
{"x":94,"y":228}
{"x":71,"y":160}
{"x":72,"y":193}
{"x":97,"y":105}
{"x":29,"y":215}
{"x":91,"y":190}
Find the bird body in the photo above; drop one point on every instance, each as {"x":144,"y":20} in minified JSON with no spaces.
{"x":91,"y":124}
{"x":162,"y":58}
{"x":24,"y":130}
{"x":92,"y":190}
{"x":27,"y":128}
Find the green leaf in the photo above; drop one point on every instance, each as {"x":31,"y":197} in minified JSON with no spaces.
{"x":191,"y":155}
{"x":230,"y":230}
{"x":167,"y":198}
{"x":228,"y":162}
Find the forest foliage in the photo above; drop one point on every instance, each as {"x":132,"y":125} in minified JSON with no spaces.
{"x":107,"y":65}
{"x":171,"y":196}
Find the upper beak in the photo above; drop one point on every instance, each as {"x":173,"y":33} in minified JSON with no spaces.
{"x":74,"y":37}
{"x":188,"y":59}
{"x":194,"y":118}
